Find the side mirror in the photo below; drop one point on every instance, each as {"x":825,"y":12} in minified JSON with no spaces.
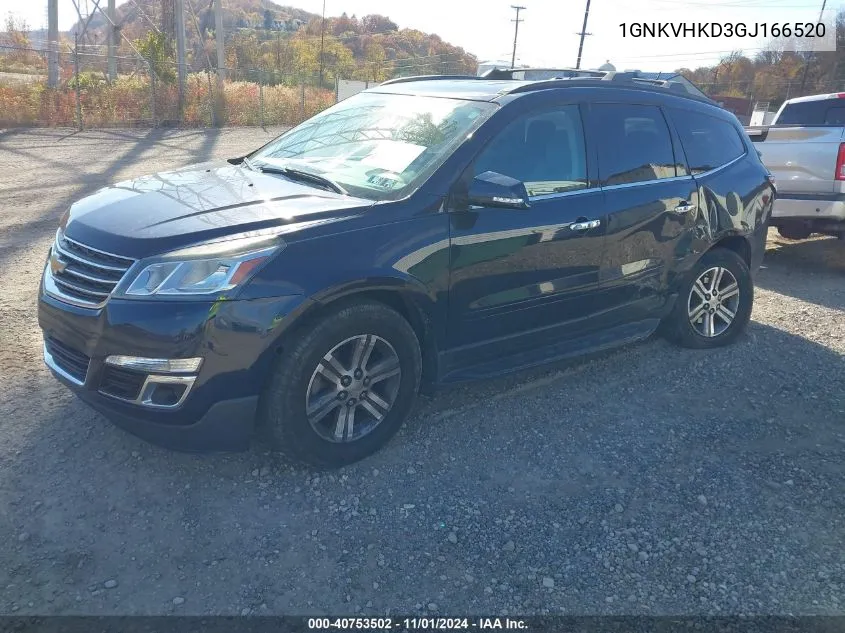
{"x":492,"y":189}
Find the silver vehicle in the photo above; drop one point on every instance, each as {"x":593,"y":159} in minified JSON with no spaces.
{"x":804,"y":148}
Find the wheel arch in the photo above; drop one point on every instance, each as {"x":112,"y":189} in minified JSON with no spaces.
{"x":737,"y":243}
{"x":410,"y":300}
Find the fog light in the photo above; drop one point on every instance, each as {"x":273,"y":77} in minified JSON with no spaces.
{"x":166,"y":395}
{"x":165,"y":392}
{"x":157,"y":365}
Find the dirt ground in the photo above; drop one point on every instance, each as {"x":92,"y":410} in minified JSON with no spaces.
{"x":652,"y":480}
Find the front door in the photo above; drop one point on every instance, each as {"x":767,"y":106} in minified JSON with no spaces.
{"x":521,"y":278}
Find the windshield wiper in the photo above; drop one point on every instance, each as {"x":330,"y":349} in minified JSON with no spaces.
{"x":298,"y":174}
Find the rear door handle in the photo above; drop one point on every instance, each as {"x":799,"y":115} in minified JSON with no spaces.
{"x":684,"y":207}
{"x":584,"y":226}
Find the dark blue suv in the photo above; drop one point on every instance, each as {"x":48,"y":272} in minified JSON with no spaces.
{"x":427,"y":231}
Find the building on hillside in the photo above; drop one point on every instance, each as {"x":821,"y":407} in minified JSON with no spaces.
{"x":741,"y":107}
{"x":286,"y":26}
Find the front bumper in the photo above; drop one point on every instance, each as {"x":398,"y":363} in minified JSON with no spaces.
{"x":236,"y":339}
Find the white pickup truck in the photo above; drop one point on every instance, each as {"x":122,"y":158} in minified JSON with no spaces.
{"x":804,"y":148}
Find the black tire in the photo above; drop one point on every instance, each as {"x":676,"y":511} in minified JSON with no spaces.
{"x":794,"y":232}
{"x":678,"y":327}
{"x":283,"y":421}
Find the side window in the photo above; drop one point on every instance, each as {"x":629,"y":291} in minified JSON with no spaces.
{"x":634,"y":143}
{"x":543,"y":150}
{"x":708,"y":142}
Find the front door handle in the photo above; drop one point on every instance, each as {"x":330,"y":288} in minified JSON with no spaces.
{"x":684,"y":207}
{"x":584,"y":226}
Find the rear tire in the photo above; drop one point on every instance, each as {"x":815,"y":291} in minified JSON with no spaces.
{"x":343,"y":386}
{"x":714,"y":302}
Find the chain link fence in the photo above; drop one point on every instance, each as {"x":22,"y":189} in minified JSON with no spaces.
{"x":147,"y":96}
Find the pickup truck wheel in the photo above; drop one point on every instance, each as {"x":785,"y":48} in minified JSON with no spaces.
{"x":793,"y":232}
{"x":343,"y":387}
{"x":714,"y":302}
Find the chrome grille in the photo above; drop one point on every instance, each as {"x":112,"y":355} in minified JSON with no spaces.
{"x":83,"y":275}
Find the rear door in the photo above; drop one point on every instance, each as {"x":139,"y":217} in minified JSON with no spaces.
{"x":714,"y":151}
{"x":650,"y":201}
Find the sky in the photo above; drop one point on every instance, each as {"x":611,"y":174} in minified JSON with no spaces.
{"x":548,"y":34}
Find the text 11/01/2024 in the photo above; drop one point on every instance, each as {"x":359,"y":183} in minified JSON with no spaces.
{"x":416,"y":624}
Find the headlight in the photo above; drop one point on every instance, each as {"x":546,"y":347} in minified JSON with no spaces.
{"x":203,"y":270}
{"x":63,"y":220}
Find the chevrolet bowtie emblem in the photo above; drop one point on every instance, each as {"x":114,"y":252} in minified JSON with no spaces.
{"x":57,"y":266}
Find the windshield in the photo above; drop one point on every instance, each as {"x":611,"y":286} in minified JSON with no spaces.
{"x":377,"y":146}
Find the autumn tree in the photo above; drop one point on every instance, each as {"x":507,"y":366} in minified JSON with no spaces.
{"x":153,"y":48}
{"x":17,"y":32}
{"x":378,"y":24}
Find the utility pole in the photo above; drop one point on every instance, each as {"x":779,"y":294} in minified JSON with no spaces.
{"x":181,"y":69}
{"x":582,"y":34}
{"x":220,"y":41}
{"x":322,"y":38}
{"x":810,"y":56}
{"x":110,"y":29}
{"x":53,"y":43}
{"x":515,"y":32}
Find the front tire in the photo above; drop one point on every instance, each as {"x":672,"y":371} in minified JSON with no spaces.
{"x":714,"y":303}
{"x":342,"y":387}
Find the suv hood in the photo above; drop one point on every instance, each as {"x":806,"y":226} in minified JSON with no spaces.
{"x":168,"y":210}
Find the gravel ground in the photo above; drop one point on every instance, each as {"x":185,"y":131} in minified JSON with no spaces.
{"x":651,"y":480}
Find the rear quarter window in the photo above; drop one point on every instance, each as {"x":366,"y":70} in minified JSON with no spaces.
{"x":708,"y":142}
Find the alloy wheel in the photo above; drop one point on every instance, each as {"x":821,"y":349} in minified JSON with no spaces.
{"x":353,"y":388}
{"x":713,"y":302}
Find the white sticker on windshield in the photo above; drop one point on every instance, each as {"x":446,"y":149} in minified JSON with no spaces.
{"x":392,"y":156}
{"x":385,"y":182}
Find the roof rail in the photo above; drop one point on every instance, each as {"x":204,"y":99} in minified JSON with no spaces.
{"x":626,"y":81}
{"x":562,"y":73}
{"x":616,"y":75}
{"x":402,"y":80}
{"x":674,"y":83}
{"x":633,"y":78}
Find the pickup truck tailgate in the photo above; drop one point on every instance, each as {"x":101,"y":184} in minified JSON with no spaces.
{"x":802,"y":159}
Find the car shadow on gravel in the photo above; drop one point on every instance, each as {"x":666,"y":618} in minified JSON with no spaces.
{"x":617,"y":450}
{"x":811,"y":270}
{"x":776,"y":354}
{"x":8,"y":133}
{"x":42,"y":225}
